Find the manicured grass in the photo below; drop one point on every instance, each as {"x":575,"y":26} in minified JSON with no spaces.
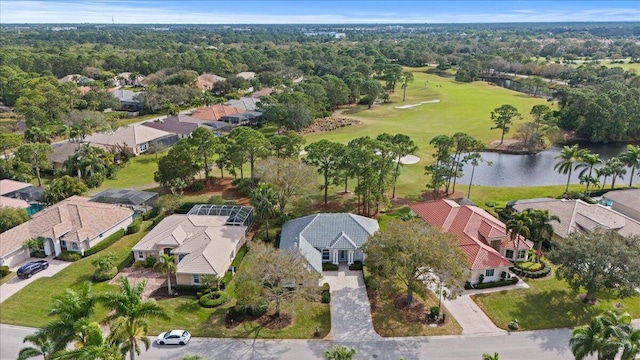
{"x":463,"y":107}
{"x":30,"y":305}
{"x":8,"y":277}
{"x":550,"y":303}
{"x":185,"y":313}
{"x":389,"y":320}
{"x":137,"y":174}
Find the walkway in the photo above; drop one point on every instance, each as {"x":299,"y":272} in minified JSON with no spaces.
{"x":16,"y":284}
{"x":350,"y":308}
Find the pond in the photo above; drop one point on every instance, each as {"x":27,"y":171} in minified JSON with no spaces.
{"x":533,"y":170}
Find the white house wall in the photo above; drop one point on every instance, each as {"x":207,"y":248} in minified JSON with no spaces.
{"x":475,"y":275}
{"x":86,"y":245}
{"x":15,"y":258}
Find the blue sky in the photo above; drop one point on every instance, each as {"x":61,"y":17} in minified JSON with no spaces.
{"x":312,"y":12}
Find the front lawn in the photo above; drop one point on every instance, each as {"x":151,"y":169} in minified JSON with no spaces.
{"x":137,"y":174}
{"x":549,"y":303}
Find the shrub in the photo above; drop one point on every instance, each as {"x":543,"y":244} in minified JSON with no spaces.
{"x":326,"y":297}
{"x":4,"y":271}
{"x":128,"y":261}
{"x":157,"y":220}
{"x":434,"y":311}
{"x":38,"y":254}
{"x":150,"y":261}
{"x":100,"y":276}
{"x":258,"y":310}
{"x":243,"y":186}
{"x":357,"y":265}
{"x":70,"y":256}
{"x":503,"y":275}
{"x":139,"y":264}
{"x":213,"y":299}
{"x":110,"y":240}
{"x":481,"y":279}
{"x":189,"y":289}
{"x":150,"y":214}
{"x":325,"y":287}
{"x":513,"y":325}
{"x":329,"y":267}
{"x":468,"y":285}
{"x":226,"y":279}
{"x":197,"y":186}
{"x":494,"y":284}
{"x":134,"y":227}
{"x":237,"y":313}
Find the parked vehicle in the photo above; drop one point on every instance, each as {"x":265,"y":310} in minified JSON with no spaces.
{"x":26,"y":271}
{"x":174,"y":337}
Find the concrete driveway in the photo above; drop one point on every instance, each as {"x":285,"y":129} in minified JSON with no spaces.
{"x":350,"y":308}
{"x":16,"y":284}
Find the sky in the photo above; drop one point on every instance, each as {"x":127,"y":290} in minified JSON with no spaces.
{"x":312,"y":12}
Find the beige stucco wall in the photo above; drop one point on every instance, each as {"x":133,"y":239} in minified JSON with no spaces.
{"x":496,"y":275}
{"x":184,"y":279}
{"x":15,"y":258}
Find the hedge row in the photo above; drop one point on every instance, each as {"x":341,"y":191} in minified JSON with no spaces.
{"x":357,"y":265}
{"x":110,"y":240}
{"x":325,"y":293}
{"x":532,"y":274}
{"x":70,"y":256}
{"x":206,"y":300}
{"x":226,"y":279}
{"x":329,"y":267}
{"x":150,"y":214}
{"x":512,"y":281}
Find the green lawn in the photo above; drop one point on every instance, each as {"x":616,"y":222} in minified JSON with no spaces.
{"x":29,"y":306}
{"x":549,"y":303}
{"x":137,"y":174}
{"x":463,"y":107}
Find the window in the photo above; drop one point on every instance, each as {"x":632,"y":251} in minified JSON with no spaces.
{"x":522,"y":254}
{"x":180,"y":257}
{"x":489,"y":272}
{"x":140,"y":255}
{"x":231,"y":256}
{"x":196,"y":279}
{"x":74,"y":246}
{"x":326,"y":256}
{"x":143,"y":147}
{"x":508,"y":254}
{"x":63,"y":243}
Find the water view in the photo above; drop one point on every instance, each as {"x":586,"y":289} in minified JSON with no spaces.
{"x":533,"y":170}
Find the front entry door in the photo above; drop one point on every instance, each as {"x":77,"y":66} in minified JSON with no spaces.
{"x":342,"y":255}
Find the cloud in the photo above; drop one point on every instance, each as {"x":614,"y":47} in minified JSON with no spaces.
{"x":174,"y":12}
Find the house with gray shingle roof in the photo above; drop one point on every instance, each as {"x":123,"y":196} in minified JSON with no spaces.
{"x":328,"y":237}
{"x":626,"y":202}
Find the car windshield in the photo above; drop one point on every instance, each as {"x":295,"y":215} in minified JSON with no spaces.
{"x":185,"y":333}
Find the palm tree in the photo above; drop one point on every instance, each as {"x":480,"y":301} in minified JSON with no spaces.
{"x":589,"y":160}
{"x":541,"y":228}
{"x":211,"y":281}
{"x":128,"y":313}
{"x":264,"y":199}
{"x":71,"y":308}
{"x":603,"y":172}
{"x":616,"y":166}
{"x":568,"y":157}
{"x":339,"y":352}
{"x":631,"y":158}
{"x":495,"y":356}
{"x":96,"y":346}
{"x":520,"y":225}
{"x":166,"y":266}
{"x":605,"y":335}
{"x":43,"y":346}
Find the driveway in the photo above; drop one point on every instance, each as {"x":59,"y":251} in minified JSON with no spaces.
{"x":350,"y":308}
{"x":16,"y":284}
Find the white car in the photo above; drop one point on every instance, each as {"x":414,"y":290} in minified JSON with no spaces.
{"x":173,"y":337}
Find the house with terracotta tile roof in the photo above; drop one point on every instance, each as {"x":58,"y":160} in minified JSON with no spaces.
{"x":483,"y":238}
{"x":328,"y":237}
{"x":207,"y":80}
{"x":214,"y":112}
{"x":204,"y":241}
{"x":137,"y":138}
{"x":578,"y":216}
{"x":74,"y":224}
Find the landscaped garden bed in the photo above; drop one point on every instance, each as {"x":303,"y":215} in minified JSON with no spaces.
{"x":531,"y":270}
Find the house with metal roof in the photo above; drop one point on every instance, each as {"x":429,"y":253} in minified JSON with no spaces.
{"x":204,"y":241}
{"x":328,"y":237}
{"x":483,"y":238}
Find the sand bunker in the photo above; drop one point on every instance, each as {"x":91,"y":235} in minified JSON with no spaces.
{"x":416,"y":105}
{"x":409,"y":159}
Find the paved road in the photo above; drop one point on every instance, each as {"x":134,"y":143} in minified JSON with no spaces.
{"x":16,"y":284}
{"x":350,"y":309}
{"x":538,"y":345}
